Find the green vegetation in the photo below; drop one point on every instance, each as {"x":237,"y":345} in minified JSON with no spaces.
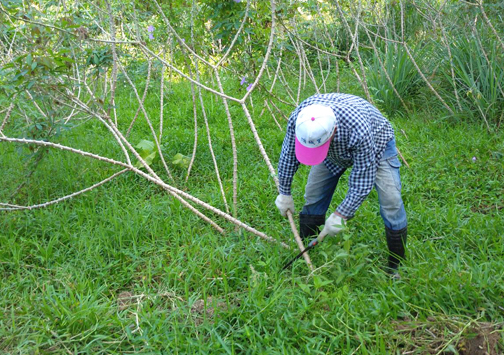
{"x":128,"y":268}
{"x":393,"y":67}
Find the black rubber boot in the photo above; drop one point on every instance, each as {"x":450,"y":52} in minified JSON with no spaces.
{"x":396,"y":242}
{"x":309,"y":225}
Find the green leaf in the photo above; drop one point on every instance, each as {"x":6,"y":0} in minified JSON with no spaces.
{"x":347,"y":245}
{"x":148,"y":159}
{"x":147,"y":151}
{"x":66,"y":59}
{"x":304,"y":287}
{"x":20,"y":58}
{"x":319,"y":281}
{"x":47,"y":62}
{"x":181,"y":160}
{"x":145,"y":147}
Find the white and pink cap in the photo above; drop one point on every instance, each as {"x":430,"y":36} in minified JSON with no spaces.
{"x":315,"y":126}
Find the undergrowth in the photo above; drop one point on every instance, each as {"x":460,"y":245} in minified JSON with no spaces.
{"x":125,"y":268}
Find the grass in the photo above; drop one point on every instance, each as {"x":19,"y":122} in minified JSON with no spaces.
{"x":125,"y":268}
{"x":480,"y":94}
{"x":395,"y":63}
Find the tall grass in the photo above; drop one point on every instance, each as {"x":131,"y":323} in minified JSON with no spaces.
{"x":392,"y":79}
{"x":479,"y":74}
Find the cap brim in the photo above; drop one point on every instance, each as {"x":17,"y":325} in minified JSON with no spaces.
{"x":312,"y":156}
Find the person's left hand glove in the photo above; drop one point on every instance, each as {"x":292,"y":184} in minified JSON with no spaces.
{"x":334,"y":224}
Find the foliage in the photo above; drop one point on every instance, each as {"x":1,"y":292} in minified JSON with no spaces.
{"x":402,"y":74}
{"x":35,"y":69}
{"x":181,"y":160}
{"x":99,"y":59}
{"x":128,"y":269}
{"x":479,"y":75}
{"x":147,"y":151}
{"x":226,"y":17}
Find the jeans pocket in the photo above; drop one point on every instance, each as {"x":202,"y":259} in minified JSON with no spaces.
{"x":394,"y":162}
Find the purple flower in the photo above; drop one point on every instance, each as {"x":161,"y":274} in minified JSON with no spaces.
{"x":474,"y":159}
{"x":237,"y":0}
{"x":151,"y":36}
{"x":243,"y":81}
{"x":249,"y":87}
{"x":150,"y":29}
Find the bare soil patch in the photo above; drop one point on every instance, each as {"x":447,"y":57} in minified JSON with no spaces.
{"x":448,"y":336}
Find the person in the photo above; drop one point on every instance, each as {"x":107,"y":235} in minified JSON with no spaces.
{"x":331,"y":133}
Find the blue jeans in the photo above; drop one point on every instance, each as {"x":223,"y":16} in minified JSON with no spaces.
{"x":321,"y":184}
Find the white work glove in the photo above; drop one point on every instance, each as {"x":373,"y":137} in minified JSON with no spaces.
{"x":333,"y":225}
{"x":284,"y":203}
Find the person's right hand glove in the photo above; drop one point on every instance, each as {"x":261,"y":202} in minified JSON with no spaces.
{"x":284,"y":203}
{"x":333,"y":225}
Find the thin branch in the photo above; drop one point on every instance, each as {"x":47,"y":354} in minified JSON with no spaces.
{"x":489,"y":23}
{"x":235,"y":38}
{"x":186,"y":76}
{"x":298,"y":240}
{"x":355,"y":47}
{"x":149,"y":70}
{"x":276,"y":72}
{"x":272,"y":114}
{"x":233,"y":145}
{"x":161,"y":101}
{"x":195,"y":143}
{"x":85,"y":108}
{"x":7,"y":116}
{"x":67,"y":197}
{"x":113,"y":78}
{"x":385,"y":72}
{"x":425,"y":79}
{"x":452,"y":71}
{"x":268,"y":51}
{"x":209,"y":136}
{"x":311,"y":45}
{"x":259,"y":143}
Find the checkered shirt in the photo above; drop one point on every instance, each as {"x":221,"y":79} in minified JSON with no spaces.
{"x":361,"y":136}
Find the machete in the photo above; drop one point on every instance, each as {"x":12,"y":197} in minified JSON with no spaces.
{"x":312,"y":244}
